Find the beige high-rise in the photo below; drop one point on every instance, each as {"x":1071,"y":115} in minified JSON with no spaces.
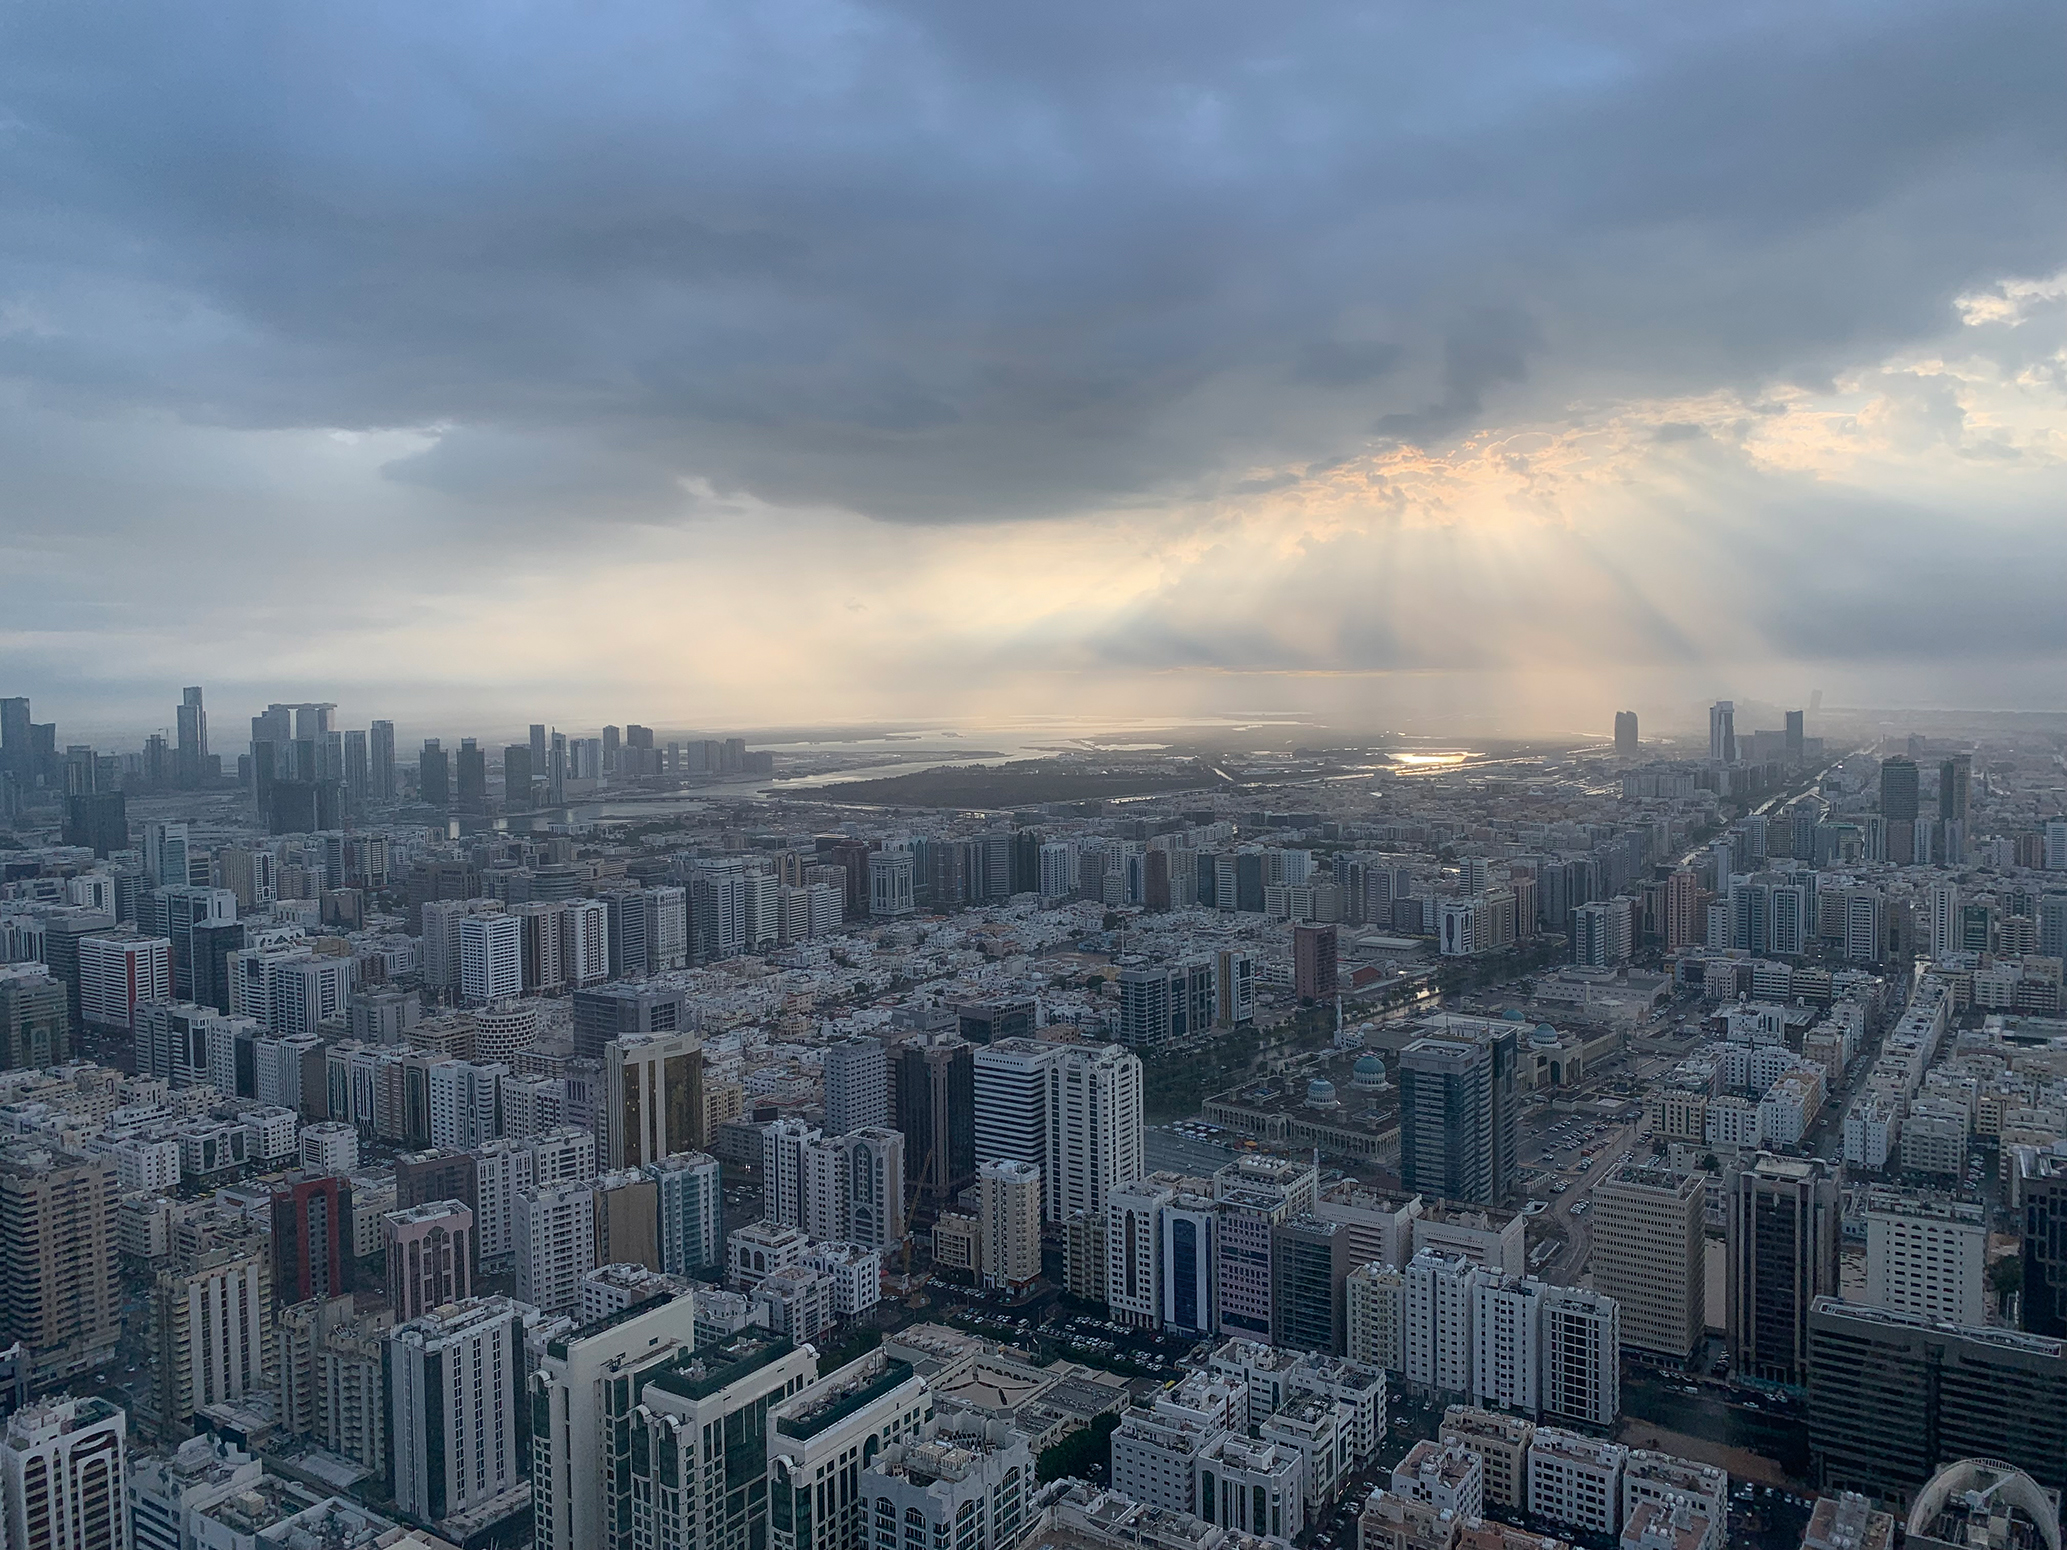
{"x":1647,"y":1255}
{"x":1010,"y":1222}
{"x":59,"y":1295}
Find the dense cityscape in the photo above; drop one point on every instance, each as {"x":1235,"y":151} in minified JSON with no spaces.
{"x":672,"y":1142}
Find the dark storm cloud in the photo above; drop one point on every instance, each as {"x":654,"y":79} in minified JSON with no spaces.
{"x":943,"y":262}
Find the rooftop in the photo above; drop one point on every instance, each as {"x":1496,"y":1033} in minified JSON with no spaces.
{"x":703,"y":1373}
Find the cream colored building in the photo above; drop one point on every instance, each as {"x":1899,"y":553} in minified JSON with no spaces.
{"x":1648,"y":1256}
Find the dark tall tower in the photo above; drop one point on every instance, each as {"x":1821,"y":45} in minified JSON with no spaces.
{"x":1783,"y":1237}
{"x":936,"y":1110}
{"x":433,"y":782}
{"x":1794,"y":737}
{"x":192,"y":763}
{"x":1898,"y":786}
{"x":471,"y":777}
{"x":1625,"y":734}
{"x":1955,"y":782}
{"x":380,"y":745}
{"x":516,"y":776}
{"x":17,"y":743}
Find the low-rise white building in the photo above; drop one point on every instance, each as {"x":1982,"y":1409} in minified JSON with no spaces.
{"x":1576,"y":1480}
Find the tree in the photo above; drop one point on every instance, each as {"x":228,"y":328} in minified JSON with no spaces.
{"x":2006,"y":1275}
{"x":1076,"y":1454}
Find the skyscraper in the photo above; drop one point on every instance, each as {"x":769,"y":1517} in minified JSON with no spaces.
{"x":516,"y":776}
{"x":193,"y":740}
{"x":470,"y":777}
{"x":59,"y":1295}
{"x":1795,"y":741}
{"x":433,"y":786}
{"x":936,"y":1110}
{"x":692,"y":1212}
{"x":1625,"y":734}
{"x":1457,"y":1117}
{"x":857,"y":1085}
{"x":1722,"y":731}
{"x":456,"y":1377}
{"x":17,"y":753}
{"x":380,"y":745}
{"x":312,"y":1239}
{"x":1648,"y":1251}
{"x":1783,"y":1241}
{"x":1955,"y":780}
{"x":653,"y":1097}
{"x":1898,"y":789}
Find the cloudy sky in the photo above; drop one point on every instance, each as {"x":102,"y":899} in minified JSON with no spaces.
{"x":733,"y":365}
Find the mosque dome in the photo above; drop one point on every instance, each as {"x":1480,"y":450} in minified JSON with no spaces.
{"x":1368,"y":1072}
{"x":1320,"y":1093}
{"x":1543,"y":1035}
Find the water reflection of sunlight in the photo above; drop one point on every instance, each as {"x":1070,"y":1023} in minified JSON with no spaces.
{"x":1430,"y":760}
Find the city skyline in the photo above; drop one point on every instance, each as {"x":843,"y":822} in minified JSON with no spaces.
{"x":899,"y":362}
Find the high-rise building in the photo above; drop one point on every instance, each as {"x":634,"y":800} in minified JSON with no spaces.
{"x":433,"y":775}
{"x":62,"y":1465}
{"x":59,"y":1295}
{"x":1626,"y":745}
{"x":1893,"y":1395}
{"x":312,"y":1239}
{"x":456,"y":1378}
{"x":1095,"y":1140}
{"x":119,"y":973}
{"x":380,"y":750}
{"x":1010,"y":1222}
{"x":1784,"y":1227}
{"x":1722,"y":731}
{"x":17,"y":755}
{"x":35,"y":1029}
{"x":1582,"y":1356}
{"x":1898,"y":789}
{"x":582,"y":1393}
{"x":1313,"y":962}
{"x":516,"y":777}
{"x":165,"y":1488}
{"x":491,"y":957}
{"x":936,"y":1110}
{"x":193,"y":739}
{"x":692,"y":1212}
{"x":430,"y":1253}
{"x":606,"y":1012}
{"x":555,"y":1245}
{"x":2041,"y":1190}
{"x":1458,"y":1116}
{"x":1309,"y":1297}
{"x":1012,"y":1080}
{"x":653,"y":1097}
{"x":470,"y":777}
{"x":1796,"y":744}
{"x":1603,"y":933}
{"x":857,"y":1085}
{"x":211,"y":1321}
{"x":1648,"y":1254}
{"x":1955,"y":784}
{"x":1928,"y":1257}
{"x":626,"y":1204}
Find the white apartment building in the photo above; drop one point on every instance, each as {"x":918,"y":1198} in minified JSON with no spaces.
{"x":1653,"y":1477}
{"x":1576,"y":1480}
{"x":554,"y":1244}
{"x":1133,"y":1283}
{"x":1507,"y":1342}
{"x":1928,"y":1257}
{"x":491,"y":957}
{"x":330,"y":1146}
{"x":853,"y":1274}
{"x":455,"y":1379}
{"x":503,"y":1169}
{"x":1094,"y":1127}
{"x":857,"y":1088}
{"x":1449,"y":1478}
{"x":117,"y":973}
{"x":1435,"y":1336}
{"x":61,"y":1473}
{"x":1009,"y":1216}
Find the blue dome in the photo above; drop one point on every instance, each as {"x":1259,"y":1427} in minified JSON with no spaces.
{"x":1369,"y":1072}
{"x":1320,"y":1093}
{"x":1543,"y":1033}
{"x":1514,"y":1015}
